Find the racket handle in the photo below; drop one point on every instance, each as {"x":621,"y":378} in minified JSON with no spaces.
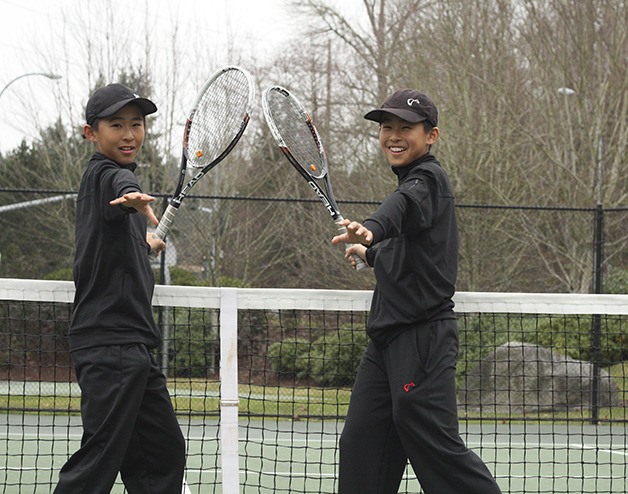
{"x":164,"y":225}
{"x":360,"y":265}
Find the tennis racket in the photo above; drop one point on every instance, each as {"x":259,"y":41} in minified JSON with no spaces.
{"x":297,"y":137}
{"x":218,"y":119}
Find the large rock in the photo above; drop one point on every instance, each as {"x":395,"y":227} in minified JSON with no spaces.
{"x":521,"y":377}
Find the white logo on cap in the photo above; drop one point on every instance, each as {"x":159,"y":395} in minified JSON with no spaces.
{"x":136,"y":95}
{"x":412,"y":100}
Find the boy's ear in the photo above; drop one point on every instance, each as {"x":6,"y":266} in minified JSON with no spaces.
{"x":88,"y":133}
{"x":434,"y":135}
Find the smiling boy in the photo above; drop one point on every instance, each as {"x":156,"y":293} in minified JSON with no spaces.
{"x":129,"y":424}
{"x":403,"y":402}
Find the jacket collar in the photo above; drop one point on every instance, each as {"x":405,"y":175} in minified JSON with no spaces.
{"x":403,"y":171}
{"x":101,"y":157}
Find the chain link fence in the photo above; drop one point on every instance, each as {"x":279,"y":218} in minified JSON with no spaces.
{"x":285,"y":242}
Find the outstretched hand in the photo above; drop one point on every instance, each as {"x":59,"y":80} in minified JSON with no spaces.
{"x":356,"y":234}
{"x":140,"y":202}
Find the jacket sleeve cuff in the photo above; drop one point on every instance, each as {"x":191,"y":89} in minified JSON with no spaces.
{"x":370,"y":257}
{"x":376,"y":229}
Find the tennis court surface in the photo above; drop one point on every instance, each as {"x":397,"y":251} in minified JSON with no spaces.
{"x":542,"y":386}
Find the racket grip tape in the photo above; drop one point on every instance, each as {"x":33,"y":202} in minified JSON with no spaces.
{"x":164,"y":225}
{"x":360,"y":265}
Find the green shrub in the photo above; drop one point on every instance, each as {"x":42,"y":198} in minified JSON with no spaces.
{"x":572,"y":336}
{"x":290,"y":357}
{"x":481,"y":334}
{"x":61,"y":274}
{"x":194,"y":347}
{"x":180,"y":276}
{"x":336,"y":356}
{"x":616,"y":282}
{"x":194,"y":344}
{"x":330,"y":360}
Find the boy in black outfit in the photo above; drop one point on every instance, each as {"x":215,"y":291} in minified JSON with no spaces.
{"x":129,"y":424}
{"x":403,"y":403}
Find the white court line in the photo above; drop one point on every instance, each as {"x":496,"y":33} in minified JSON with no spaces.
{"x":497,"y":445}
{"x":293,"y":474}
{"x":609,"y":451}
{"x":548,"y":446}
{"x":21,"y":469}
{"x":259,"y":440}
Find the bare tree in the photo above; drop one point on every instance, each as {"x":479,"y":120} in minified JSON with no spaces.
{"x":508,"y":136}
{"x":577,"y":54}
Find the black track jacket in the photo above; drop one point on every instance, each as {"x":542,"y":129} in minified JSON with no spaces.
{"x":112,"y":274}
{"x":414,"y":251}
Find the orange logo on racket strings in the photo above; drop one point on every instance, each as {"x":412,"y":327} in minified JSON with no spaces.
{"x":313,"y":167}
{"x":199,"y":153}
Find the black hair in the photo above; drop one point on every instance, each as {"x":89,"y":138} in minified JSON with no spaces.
{"x":93,"y":125}
{"x":428,"y":127}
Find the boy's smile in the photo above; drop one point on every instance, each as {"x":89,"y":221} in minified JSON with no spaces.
{"x":403,"y":142}
{"x":120,"y":136}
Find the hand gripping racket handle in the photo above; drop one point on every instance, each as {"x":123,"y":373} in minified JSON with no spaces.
{"x":164,"y":225}
{"x":360,"y":265}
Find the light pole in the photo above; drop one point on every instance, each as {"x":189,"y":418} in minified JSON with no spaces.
{"x":43,"y":74}
{"x":6,"y":86}
{"x":567,"y":91}
{"x":29,"y":74}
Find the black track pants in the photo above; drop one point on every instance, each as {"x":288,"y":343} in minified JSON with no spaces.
{"x":129,"y":426}
{"x":403,"y":406}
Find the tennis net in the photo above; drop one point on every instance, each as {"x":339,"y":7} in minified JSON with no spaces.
{"x":261,"y":380}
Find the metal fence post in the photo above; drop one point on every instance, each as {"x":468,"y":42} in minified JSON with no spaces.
{"x":164,"y":313}
{"x":596,"y":325}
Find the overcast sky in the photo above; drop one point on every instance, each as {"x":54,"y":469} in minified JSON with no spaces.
{"x":29,"y":30}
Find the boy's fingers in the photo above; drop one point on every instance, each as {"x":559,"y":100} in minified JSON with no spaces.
{"x":339,"y":238}
{"x":135,"y":196}
{"x":151,"y":217}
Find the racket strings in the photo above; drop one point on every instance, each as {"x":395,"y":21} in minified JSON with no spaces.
{"x":219,"y":117}
{"x":302,"y":141}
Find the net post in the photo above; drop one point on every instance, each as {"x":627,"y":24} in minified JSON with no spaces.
{"x":229,"y":391}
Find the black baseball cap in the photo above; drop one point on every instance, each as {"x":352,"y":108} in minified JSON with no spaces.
{"x":408,"y":104}
{"x":107,"y":100}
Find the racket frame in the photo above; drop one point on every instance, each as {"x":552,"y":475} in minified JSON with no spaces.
{"x":325,"y":193}
{"x":182,"y":191}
